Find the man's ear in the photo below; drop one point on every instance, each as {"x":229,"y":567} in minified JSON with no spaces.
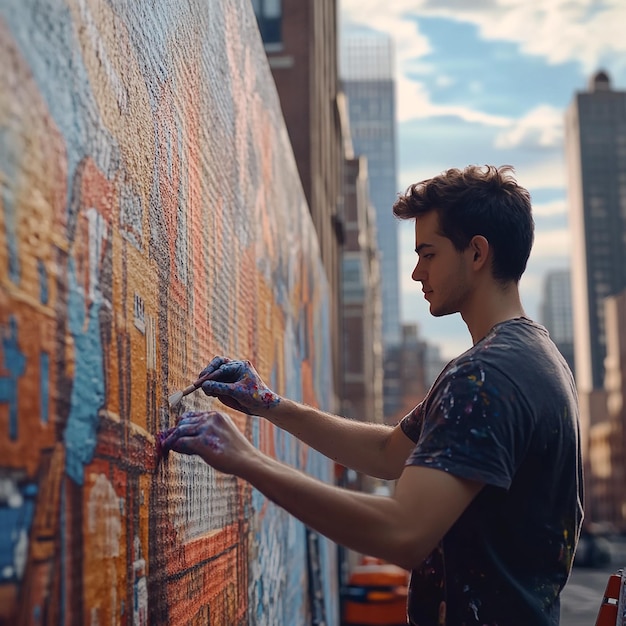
{"x":479,"y":247}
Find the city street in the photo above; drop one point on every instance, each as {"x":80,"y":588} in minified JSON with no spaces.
{"x":581,"y":598}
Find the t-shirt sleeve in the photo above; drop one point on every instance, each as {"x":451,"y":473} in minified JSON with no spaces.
{"x":475,"y":425}
{"x":411,"y":424}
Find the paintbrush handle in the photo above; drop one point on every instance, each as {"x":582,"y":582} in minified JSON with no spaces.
{"x":197,"y":384}
{"x":203,"y":379}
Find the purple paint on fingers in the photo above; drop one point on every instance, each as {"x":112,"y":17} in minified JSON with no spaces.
{"x":162,"y":449}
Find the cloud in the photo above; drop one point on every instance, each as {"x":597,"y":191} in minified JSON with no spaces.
{"x":428,"y":146}
{"x":552,"y":244}
{"x":540,"y":127}
{"x":589,"y":31}
{"x":416,"y":67}
{"x":413,"y":102}
{"x":546,"y":173}
{"x":550,"y":209}
{"x":444,"y":81}
{"x":558,"y":31}
{"x":410,"y":45}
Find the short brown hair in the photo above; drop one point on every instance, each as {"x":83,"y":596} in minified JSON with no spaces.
{"x":478,"y":200}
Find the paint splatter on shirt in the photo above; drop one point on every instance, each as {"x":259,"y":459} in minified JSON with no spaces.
{"x":504,"y":413}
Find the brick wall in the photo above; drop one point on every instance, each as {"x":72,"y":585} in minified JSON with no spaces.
{"x":151,"y":216}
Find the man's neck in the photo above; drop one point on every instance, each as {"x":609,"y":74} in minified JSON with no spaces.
{"x":491,"y":307}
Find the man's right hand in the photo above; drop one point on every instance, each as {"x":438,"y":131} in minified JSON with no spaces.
{"x":238,"y":385}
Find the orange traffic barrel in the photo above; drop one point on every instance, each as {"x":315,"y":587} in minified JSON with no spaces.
{"x":613,"y":606}
{"x":376,"y":594}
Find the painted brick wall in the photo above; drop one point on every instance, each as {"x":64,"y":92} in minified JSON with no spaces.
{"x":151,"y":216}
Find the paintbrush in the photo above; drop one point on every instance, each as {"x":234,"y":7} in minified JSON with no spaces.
{"x":175,"y":398}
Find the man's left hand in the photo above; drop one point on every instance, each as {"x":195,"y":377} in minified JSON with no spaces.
{"x":212,"y":436}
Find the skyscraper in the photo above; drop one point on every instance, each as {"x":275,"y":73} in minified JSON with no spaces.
{"x":595,"y":135}
{"x":362,"y":336}
{"x":556,"y":312}
{"x":366,"y":71}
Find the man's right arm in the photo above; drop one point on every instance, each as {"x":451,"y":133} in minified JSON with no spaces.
{"x":373,"y":449}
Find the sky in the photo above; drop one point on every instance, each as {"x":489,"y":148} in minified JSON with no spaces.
{"x":489,"y":81}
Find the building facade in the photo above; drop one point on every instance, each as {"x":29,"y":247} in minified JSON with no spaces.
{"x":151,"y":216}
{"x":556,"y":312}
{"x":362,"y":306}
{"x":608,"y":437}
{"x":595,"y":136}
{"x":300,"y":38}
{"x":366,"y":70}
{"x":367,"y":79}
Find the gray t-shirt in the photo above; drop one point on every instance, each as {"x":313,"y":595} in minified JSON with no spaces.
{"x":504,"y":413}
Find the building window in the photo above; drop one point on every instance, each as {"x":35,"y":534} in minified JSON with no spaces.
{"x":269,"y":17}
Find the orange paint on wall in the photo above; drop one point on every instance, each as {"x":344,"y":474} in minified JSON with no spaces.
{"x":156,"y":221}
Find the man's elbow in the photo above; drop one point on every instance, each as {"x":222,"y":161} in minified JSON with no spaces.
{"x":391,"y":470}
{"x":410,"y":554}
{"x":394,"y":452}
{"x":408,"y":562}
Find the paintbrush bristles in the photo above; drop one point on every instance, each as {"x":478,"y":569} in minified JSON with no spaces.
{"x":175,"y":398}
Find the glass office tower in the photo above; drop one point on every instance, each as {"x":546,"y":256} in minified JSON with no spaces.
{"x":366,"y":72}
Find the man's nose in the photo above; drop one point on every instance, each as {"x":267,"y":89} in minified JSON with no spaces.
{"x":417,"y":274}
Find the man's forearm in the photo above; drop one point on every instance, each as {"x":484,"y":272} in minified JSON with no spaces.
{"x":361,"y":446}
{"x":363,"y":522}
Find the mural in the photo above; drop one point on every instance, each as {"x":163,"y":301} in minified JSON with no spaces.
{"x":151,"y":216}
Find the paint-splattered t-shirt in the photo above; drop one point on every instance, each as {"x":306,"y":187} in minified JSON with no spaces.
{"x":504,"y":413}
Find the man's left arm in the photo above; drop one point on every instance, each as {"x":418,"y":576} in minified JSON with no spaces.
{"x":402,"y":529}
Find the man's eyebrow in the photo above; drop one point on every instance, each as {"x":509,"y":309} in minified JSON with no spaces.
{"x":422,"y":246}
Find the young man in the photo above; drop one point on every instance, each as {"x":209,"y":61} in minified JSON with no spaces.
{"x":487,"y":507}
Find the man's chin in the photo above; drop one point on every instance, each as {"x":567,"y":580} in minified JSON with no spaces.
{"x":440,"y":312}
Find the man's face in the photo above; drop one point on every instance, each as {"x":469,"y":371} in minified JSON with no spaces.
{"x":445,"y":273}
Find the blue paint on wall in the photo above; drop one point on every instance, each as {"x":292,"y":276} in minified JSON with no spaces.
{"x":279,"y":592}
{"x":88,"y":386}
{"x":43,"y":282}
{"x":14,"y":362}
{"x":277,"y":597}
{"x":17,"y":506}
{"x":73,"y":108}
{"x":44,"y":386}
{"x":52,"y":58}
